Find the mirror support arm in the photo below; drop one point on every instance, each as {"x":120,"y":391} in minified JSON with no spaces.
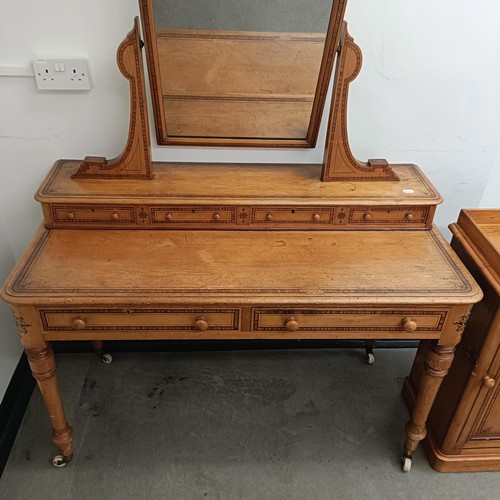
{"x":339,"y":164}
{"x":135,"y":160}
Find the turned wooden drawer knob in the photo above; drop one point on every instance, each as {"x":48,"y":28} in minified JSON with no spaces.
{"x":367,"y":216}
{"x":316,"y":217}
{"x":217,"y":216}
{"x":291,"y":324}
{"x":78,"y":324}
{"x":168,"y":217}
{"x":115,"y":216}
{"x":201,"y":323}
{"x":409,"y":216}
{"x":488,"y":381}
{"x":70,"y":215}
{"x":409,"y":325}
{"x":269,"y":217}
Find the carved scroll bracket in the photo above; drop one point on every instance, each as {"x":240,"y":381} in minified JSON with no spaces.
{"x":135,"y":160}
{"x":339,"y":163}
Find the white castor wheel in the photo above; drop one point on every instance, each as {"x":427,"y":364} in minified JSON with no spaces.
{"x":406,"y":464}
{"x":370,"y":358}
{"x":106,"y":358}
{"x":59,"y":461}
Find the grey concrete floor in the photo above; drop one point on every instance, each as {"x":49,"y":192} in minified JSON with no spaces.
{"x":278,"y":424}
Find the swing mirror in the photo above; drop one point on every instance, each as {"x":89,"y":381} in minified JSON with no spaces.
{"x":239,"y":72}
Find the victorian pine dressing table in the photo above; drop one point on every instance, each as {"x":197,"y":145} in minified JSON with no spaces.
{"x":136,"y":250}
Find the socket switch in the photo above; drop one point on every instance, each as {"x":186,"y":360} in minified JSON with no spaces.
{"x":61,"y":74}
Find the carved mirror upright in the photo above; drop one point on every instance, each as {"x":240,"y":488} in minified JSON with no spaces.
{"x":211,"y":70}
{"x":248,"y":74}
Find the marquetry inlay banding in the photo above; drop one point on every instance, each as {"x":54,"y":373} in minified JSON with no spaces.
{"x":154,"y":319}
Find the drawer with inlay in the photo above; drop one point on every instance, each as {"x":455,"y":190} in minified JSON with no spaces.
{"x":91,"y":214}
{"x":190,"y":216}
{"x":151,"y":319}
{"x":348,"y":320}
{"x":388,"y":215}
{"x":292,"y":216}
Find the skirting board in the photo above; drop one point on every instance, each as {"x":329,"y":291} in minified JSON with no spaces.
{"x":12,"y":408}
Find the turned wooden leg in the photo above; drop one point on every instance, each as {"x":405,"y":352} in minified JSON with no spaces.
{"x":43,"y":367}
{"x":436,"y":366}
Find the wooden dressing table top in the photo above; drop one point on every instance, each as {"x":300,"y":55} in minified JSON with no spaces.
{"x":221,"y":267}
{"x":288,"y":184}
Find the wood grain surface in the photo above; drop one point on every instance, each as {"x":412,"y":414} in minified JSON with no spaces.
{"x":244,"y":183}
{"x":307,"y":57}
{"x":229,"y":266}
{"x":238,"y":84}
{"x":482,"y":228}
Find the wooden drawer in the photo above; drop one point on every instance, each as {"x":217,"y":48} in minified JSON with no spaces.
{"x":388,"y":215}
{"x":237,"y":217}
{"x":292,"y":216}
{"x":188,"y":216}
{"x":347,"y":320}
{"x":105,"y":214}
{"x":56,"y":320}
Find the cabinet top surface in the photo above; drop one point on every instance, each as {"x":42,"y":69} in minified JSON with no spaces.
{"x":482,"y":228}
{"x":236,"y":183}
{"x":292,"y":267}
{"x":488,"y":221}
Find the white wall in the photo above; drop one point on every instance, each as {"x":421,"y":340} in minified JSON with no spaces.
{"x":428,"y":93}
{"x":10,"y":348}
{"x":491,"y":194}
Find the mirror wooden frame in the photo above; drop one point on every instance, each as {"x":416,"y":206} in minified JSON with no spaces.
{"x":325,"y":72}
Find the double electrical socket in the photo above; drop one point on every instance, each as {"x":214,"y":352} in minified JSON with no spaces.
{"x":61,"y":74}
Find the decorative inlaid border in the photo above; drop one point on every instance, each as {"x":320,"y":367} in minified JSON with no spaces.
{"x":423,"y":217}
{"x":258,"y":313}
{"x":45,"y":313}
{"x":135,"y":160}
{"x":195,"y":211}
{"x":339,"y":162}
{"x":22,"y":285}
{"x":326,"y":69}
{"x":130,"y":213}
{"x":292,"y":210}
{"x":335,"y":215}
{"x":48,"y":188}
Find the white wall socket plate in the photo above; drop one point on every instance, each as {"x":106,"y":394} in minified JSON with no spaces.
{"x":62,"y":74}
